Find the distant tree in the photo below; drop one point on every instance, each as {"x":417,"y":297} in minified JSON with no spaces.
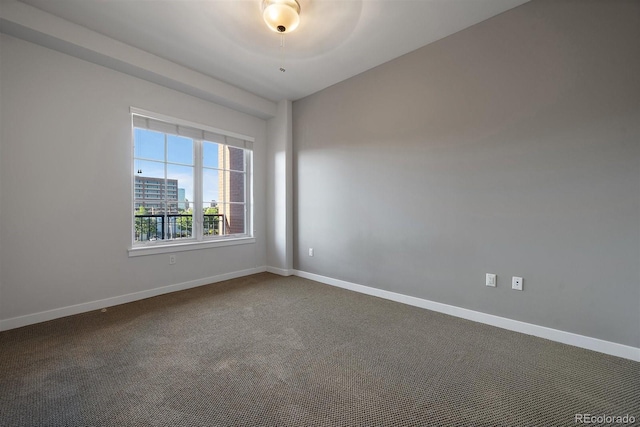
{"x":211,"y":223}
{"x":184,"y":224}
{"x":145,"y":227}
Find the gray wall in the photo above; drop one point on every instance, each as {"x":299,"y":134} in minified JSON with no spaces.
{"x":512,"y":147}
{"x":279,"y":182}
{"x":65,"y":183}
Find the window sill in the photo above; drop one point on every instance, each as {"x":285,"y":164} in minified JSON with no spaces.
{"x":188,"y":246}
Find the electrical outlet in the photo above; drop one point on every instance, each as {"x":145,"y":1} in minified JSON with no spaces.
{"x":516,"y":283}
{"x":491,"y":280}
{"x":172,"y":259}
{"x":310,"y":251}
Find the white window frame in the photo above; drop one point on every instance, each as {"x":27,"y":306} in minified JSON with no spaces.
{"x":198,"y":239}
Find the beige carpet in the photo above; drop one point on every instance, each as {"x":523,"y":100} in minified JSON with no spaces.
{"x":271,"y":351}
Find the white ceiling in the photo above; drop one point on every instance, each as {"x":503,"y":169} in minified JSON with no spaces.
{"x":227,"y":39}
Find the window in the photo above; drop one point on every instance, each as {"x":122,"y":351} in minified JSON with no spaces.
{"x":192,"y":184}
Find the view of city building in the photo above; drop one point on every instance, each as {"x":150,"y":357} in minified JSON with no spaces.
{"x":182,"y":204}
{"x":150,"y":194}
{"x":231,"y":188}
{"x":162,"y":209}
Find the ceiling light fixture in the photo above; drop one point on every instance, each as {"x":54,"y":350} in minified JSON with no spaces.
{"x":282,"y":16}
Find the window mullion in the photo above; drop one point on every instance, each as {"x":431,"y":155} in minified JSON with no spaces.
{"x":248,"y":192}
{"x":165,"y":228}
{"x":197,"y":191}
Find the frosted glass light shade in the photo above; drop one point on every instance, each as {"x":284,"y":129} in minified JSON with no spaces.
{"x":282,"y":16}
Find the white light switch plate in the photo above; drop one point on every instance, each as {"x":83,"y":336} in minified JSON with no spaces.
{"x":491,"y":280}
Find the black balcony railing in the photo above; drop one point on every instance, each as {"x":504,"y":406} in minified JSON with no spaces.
{"x":175,"y":226}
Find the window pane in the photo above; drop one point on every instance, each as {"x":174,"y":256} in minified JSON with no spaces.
{"x":179,"y":188}
{"x":179,"y":225}
{"x":162,"y":191}
{"x":231,"y":186}
{"x":148,"y":187}
{"x":149,"y":201}
{"x":210,"y":186}
{"x":235,"y":159}
{"x":145,"y":168}
{"x":149,"y":144}
{"x":231,"y":158}
{"x":209,"y":154}
{"x":148,"y":227}
{"x":212,"y":220}
{"x":233,"y":217}
{"x":236,"y":187}
{"x":179,"y":202}
{"x":179,"y":149}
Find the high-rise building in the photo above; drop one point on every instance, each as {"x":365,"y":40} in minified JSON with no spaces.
{"x":150,"y":193}
{"x":181,"y":199}
{"x":231,"y":188}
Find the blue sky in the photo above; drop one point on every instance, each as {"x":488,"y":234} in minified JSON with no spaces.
{"x":150,"y":146}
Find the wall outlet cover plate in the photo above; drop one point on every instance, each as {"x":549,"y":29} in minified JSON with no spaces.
{"x":516,"y":283}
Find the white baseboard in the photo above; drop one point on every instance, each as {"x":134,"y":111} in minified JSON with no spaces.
{"x":280,"y":271}
{"x":43,"y":316}
{"x":570,"y":338}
